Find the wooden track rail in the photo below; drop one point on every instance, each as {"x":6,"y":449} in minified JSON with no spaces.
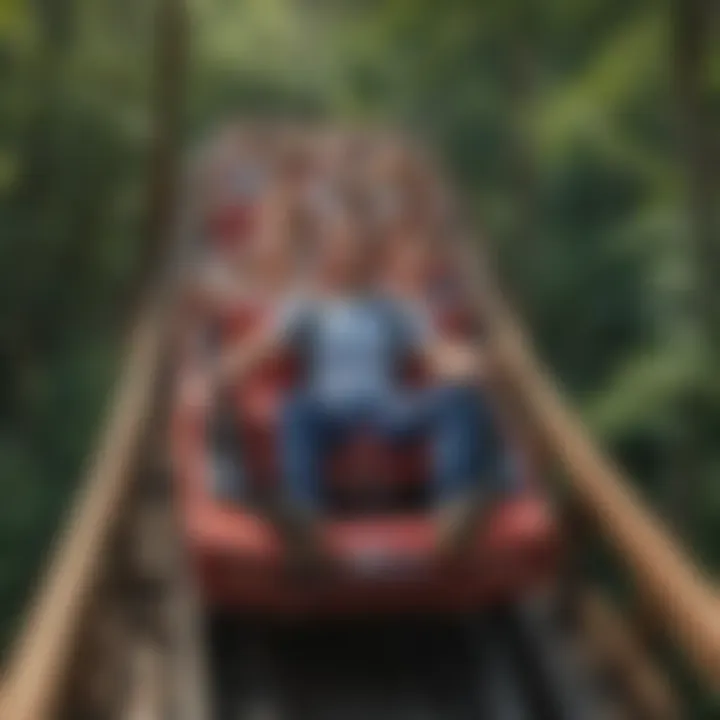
{"x":683,"y":601}
{"x":670,"y":585}
{"x":35,"y":678}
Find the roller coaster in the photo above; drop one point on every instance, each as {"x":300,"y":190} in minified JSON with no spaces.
{"x":163,"y":600}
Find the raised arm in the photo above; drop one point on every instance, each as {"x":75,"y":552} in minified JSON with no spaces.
{"x":285,"y":328}
{"x":236,"y":362}
{"x":202,"y":387}
{"x":447,"y":359}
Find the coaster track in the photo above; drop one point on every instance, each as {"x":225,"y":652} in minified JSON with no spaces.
{"x":116,"y":629}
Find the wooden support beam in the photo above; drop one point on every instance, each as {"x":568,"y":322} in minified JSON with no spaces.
{"x":39,"y":666}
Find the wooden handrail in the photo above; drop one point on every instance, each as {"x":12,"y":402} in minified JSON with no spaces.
{"x":682,"y":599}
{"x":34,"y":678}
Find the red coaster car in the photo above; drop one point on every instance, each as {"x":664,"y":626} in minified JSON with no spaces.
{"x":386,"y":557}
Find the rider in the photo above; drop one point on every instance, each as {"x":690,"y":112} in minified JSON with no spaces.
{"x":353,"y":340}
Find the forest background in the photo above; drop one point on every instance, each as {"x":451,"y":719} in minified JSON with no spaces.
{"x":584,"y":134}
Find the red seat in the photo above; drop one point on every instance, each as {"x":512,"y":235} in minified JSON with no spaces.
{"x":229,"y":224}
{"x":239,"y":560}
{"x":455,"y":321}
{"x":237,"y":320}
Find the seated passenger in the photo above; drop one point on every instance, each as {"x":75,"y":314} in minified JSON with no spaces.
{"x":353,"y":340}
{"x":259,"y":269}
{"x":237,"y":177}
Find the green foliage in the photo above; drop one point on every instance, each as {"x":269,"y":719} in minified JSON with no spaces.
{"x":557,"y":117}
{"x":73,"y":118}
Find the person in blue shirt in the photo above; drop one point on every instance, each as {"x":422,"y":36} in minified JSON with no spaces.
{"x":354,"y":341}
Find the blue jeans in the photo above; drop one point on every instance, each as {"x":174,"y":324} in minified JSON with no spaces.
{"x":465,"y":444}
